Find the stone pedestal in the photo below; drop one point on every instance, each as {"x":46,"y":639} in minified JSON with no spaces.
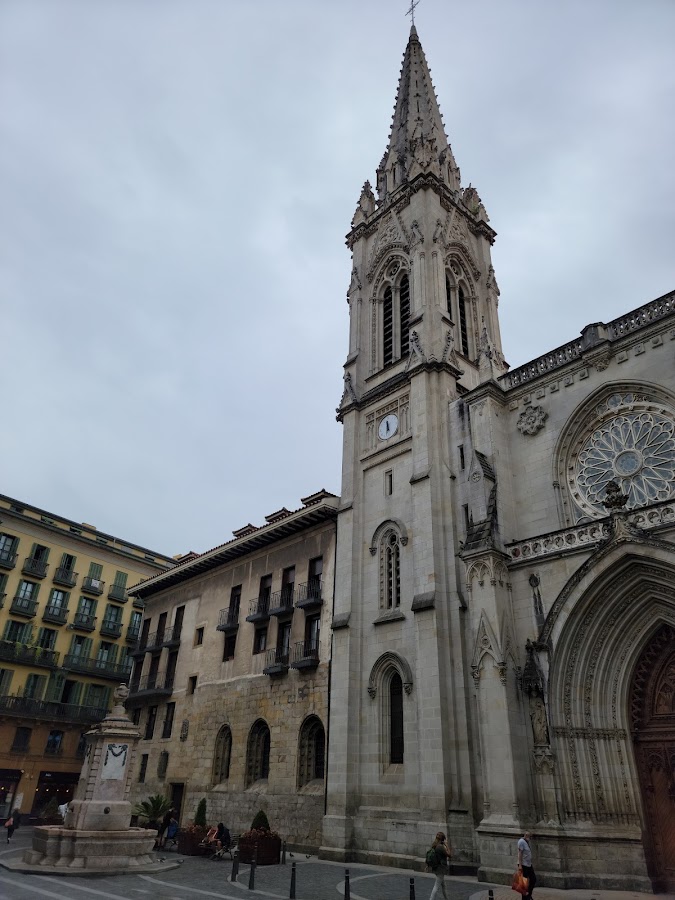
{"x":96,"y":837}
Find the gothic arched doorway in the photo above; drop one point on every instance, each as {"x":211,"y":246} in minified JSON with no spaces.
{"x":653,"y":719}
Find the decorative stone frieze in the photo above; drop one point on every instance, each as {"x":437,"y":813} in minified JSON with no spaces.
{"x":532,"y":420}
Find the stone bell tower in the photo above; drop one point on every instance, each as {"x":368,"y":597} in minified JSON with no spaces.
{"x":423,"y":330}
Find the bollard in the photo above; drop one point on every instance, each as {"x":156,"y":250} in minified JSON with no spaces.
{"x":412,"y":889}
{"x":348,"y":895}
{"x":491,"y":894}
{"x":292,"y":893}
{"x":235,"y":866}
{"x":283,"y":854}
{"x":251,"y":875}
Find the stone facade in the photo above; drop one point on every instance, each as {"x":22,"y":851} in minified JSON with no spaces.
{"x":505,"y":556}
{"x":217,"y":705}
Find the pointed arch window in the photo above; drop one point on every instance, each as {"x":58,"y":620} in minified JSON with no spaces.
{"x":222,"y":755}
{"x":448,"y":295}
{"x":258,"y":753}
{"x":395,"y":719}
{"x":396,"y":304}
{"x":312,"y":752}
{"x":390,"y":570}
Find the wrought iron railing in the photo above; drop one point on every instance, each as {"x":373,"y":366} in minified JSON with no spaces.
{"x":84,"y":621}
{"x":228,"y":618}
{"x":92,"y":585}
{"x":281,"y":601}
{"x":159,"y":682}
{"x":111,"y":627}
{"x":259,"y":608}
{"x":92,"y":666}
{"x":23,"y":606}
{"x":55,"y":614}
{"x":34,"y":656}
{"x":276,"y":658}
{"x":309,"y":594}
{"x":306,"y":651}
{"x":117,"y":592}
{"x":47,"y":709}
{"x":7,"y":559}
{"x":35,"y":567}
{"x":64,"y":576}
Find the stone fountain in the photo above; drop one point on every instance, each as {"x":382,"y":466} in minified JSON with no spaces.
{"x":95,"y":837}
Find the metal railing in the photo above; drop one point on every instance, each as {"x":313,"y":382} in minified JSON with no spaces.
{"x":132,"y":634}
{"x":23,"y":606}
{"x":64,"y":576}
{"x":92,"y":585}
{"x":259,"y":608}
{"x":111,"y":627}
{"x":7,"y":559}
{"x":276,"y":659}
{"x":282,"y":601}
{"x":49,"y":709}
{"x":158,"y":683}
{"x":305,"y":651}
{"x":34,"y":656}
{"x":35,"y":567}
{"x":117,"y":592}
{"x":84,"y":621}
{"x":309,"y":594}
{"x":92,"y":666}
{"x":56,"y":614}
{"x":228,"y":618}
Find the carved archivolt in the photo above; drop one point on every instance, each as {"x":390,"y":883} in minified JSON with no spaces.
{"x":625,"y":432}
{"x":397,"y":524}
{"x":387,"y":661}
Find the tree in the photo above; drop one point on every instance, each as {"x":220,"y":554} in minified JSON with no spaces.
{"x":200,"y":815}
{"x":260,"y":822}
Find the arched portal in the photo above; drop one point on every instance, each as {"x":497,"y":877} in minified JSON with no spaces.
{"x":653,"y":715}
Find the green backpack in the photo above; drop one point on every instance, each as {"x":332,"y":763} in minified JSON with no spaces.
{"x":432,"y":858}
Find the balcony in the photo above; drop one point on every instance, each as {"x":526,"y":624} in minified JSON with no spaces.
{"x":7,"y":559}
{"x":111,"y":628}
{"x":26,"y":707}
{"x":24,"y":606}
{"x":36,"y":568}
{"x":117,"y":592}
{"x":64,"y":576}
{"x":92,"y":585}
{"x":276,"y":662}
{"x":305,"y":655}
{"x":281,"y":602}
{"x":259,"y":610}
{"x":31,"y":656}
{"x":101,"y":668}
{"x":137,"y":603}
{"x":53,"y":751}
{"x":228,"y":620}
{"x":151,"y":687}
{"x":310,"y":595}
{"x":2,"y":598}
{"x":84,"y":621}
{"x":132,"y":635}
{"x":55,"y":614}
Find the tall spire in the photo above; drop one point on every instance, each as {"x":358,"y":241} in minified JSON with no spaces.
{"x":417,"y":142}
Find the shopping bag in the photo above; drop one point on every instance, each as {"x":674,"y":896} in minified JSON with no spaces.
{"x":520,"y":883}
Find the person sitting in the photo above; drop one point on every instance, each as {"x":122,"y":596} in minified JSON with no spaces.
{"x":222,"y":842}
{"x":172,"y":833}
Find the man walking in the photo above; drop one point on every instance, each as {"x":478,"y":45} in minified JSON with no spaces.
{"x":525,"y":863}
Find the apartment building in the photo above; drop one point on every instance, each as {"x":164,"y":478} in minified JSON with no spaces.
{"x":67,"y":624}
{"x":231,"y":675}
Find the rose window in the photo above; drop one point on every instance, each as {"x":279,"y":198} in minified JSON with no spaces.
{"x":637,"y":450}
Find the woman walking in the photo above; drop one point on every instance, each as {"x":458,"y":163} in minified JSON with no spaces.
{"x":9,"y":825}
{"x":443,"y":853}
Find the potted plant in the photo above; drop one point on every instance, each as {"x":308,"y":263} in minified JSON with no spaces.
{"x":192,"y":835}
{"x":260,"y":841}
{"x":152,"y":810}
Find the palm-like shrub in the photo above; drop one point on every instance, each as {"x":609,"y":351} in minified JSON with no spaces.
{"x":153,"y":809}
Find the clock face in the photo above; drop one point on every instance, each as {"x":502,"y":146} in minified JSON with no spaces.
{"x":387,"y":427}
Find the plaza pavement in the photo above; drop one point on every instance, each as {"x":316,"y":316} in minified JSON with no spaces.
{"x":198,"y":877}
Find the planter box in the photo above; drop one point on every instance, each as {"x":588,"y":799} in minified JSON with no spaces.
{"x":267,"y":850}
{"x":188,"y":843}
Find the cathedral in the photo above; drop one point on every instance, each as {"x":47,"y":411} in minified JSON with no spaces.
{"x":478,"y":635}
{"x":504,"y":614}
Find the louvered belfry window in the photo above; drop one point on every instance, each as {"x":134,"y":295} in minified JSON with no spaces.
{"x":405,"y":315}
{"x":463,"y":326}
{"x":388,"y":328}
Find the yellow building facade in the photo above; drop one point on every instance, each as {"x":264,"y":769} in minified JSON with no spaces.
{"x":66,"y":627}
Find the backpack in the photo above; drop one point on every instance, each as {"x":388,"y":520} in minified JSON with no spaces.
{"x":431,"y":858}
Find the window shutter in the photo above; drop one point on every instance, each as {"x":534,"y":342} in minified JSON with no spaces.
{"x":95,"y":570}
{"x":55,"y":687}
{"x":5,"y":680}
{"x":75,"y":694}
{"x":41,"y":632}
{"x":66,"y":559}
{"x":87,"y":692}
{"x":86,"y":647}
{"x":27,"y":634}
{"x":105,"y":698}
{"x":8,"y":625}
{"x":36,"y":591}
{"x":121,"y":580}
{"x":113,"y":653}
{"x":32,"y":551}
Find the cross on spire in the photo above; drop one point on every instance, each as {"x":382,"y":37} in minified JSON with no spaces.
{"x":411,"y":11}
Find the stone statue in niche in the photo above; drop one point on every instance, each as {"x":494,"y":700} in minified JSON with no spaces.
{"x":538,"y":719}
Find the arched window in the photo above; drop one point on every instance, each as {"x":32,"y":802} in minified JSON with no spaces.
{"x":395,"y":719}
{"x":463,"y":326}
{"x":448,"y":295}
{"x":388,"y":327}
{"x":312,"y":752}
{"x":404,"y":300}
{"x":222,"y":755}
{"x":258,"y":753}
{"x":391,"y":570}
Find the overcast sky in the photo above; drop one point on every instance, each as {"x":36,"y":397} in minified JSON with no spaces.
{"x":176,"y":180}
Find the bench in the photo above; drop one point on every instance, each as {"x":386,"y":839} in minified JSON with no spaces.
{"x":234,"y":843}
